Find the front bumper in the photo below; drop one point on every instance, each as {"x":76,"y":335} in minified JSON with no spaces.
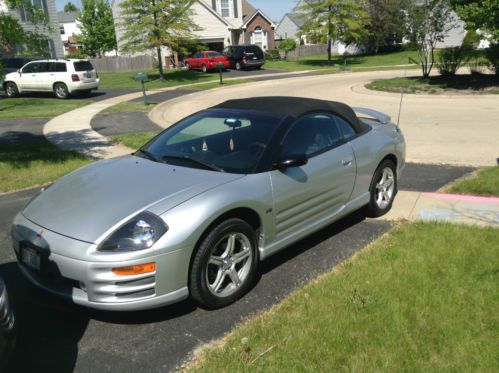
{"x":91,"y":282}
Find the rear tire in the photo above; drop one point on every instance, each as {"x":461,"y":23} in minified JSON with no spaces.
{"x":224,"y":265}
{"x":187,"y":66}
{"x":238,"y":66}
{"x":61,"y":91}
{"x":204,"y":69}
{"x":382,"y":190}
{"x":11,"y":90}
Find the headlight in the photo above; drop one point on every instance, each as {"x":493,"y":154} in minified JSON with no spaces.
{"x":140,"y":232}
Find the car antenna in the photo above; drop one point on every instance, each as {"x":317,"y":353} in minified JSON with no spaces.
{"x":401,"y":98}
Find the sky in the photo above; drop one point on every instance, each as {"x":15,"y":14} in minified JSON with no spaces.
{"x":275,"y":9}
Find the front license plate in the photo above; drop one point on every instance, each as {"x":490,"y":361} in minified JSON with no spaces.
{"x":31,"y":258}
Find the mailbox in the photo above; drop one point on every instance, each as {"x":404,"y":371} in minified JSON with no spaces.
{"x":220,"y":66}
{"x":141,"y":77}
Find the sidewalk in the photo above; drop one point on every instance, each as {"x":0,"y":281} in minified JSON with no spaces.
{"x":452,"y":208}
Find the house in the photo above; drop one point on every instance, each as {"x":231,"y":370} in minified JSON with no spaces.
{"x":221,"y":23}
{"x":289,"y":28}
{"x":54,"y":43}
{"x":69,"y":28}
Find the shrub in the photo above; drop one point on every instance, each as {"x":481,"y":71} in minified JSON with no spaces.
{"x":78,"y":53}
{"x":272,"y":54}
{"x":287,"y":45}
{"x":450,"y":59}
{"x":492,"y":54}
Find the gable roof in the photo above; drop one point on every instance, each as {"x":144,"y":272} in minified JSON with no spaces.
{"x":215,"y":13}
{"x":248,"y":10}
{"x":298,"y":19}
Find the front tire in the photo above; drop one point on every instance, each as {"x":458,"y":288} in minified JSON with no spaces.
{"x":61,"y":91}
{"x":239,"y":66}
{"x":204,"y":69}
{"x":224,"y":265}
{"x":382,"y":189}
{"x":11,"y":90}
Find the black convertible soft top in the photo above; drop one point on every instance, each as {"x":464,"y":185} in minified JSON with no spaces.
{"x":294,"y":107}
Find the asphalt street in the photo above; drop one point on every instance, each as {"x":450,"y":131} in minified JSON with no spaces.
{"x":57,"y":336}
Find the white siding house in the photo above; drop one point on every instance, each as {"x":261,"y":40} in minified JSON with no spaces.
{"x":54,"y":43}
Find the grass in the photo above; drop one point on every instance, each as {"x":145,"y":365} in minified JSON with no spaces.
{"x":134,"y":140}
{"x":33,"y":163}
{"x":37,"y":107}
{"x":422,"y":298}
{"x":354,"y":62}
{"x":485,"y":183}
{"x":128,"y":106}
{"x":476,"y":83}
{"x":125,"y":80}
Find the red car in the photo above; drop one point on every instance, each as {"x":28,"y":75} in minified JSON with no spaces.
{"x":206,"y":61}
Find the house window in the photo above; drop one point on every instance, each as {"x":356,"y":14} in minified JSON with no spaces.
{"x":259,"y":37}
{"x":61,"y":29}
{"x":225,"y":8}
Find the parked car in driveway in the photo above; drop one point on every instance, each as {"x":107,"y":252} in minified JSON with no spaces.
{"x":206,"y":61}
{"x":63,"y":77}
{"x":243,"y":57}
{"x":195,"y":210}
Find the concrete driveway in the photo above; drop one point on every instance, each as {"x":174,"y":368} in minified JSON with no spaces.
{"x":457,"y":129}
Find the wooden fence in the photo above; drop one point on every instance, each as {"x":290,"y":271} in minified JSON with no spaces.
{"x":308,"y":50}
{"x":116,"y":64}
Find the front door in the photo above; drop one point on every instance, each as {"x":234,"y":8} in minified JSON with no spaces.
{"x":307,"y":196}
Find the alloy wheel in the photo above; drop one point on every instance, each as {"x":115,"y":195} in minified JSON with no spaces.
{"x":385,"y":188}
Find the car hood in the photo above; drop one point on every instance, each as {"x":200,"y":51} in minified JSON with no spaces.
{"x":88,"y":202}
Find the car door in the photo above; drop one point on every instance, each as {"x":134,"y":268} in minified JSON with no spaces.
{"x":29,"y":78}
{"x":46,"y":76}
{"x":314,"y":193}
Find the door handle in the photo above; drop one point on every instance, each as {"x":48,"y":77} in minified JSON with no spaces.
{"x":346,"y":162}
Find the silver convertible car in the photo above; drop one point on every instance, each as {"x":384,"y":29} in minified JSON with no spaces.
{"x":195,"y":210}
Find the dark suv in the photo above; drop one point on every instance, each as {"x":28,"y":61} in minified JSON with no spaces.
{"x":244,"y":56}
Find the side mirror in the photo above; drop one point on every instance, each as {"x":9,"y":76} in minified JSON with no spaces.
{"x":291,"y":160}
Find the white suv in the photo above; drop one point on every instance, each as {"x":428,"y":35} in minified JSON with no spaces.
{"x":62,"y":77}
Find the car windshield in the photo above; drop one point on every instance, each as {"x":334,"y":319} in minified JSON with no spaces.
{"x":219,"y":140}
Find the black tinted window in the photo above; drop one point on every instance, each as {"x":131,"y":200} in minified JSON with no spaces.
{"x":253,"y":49}
{"x":214,"y":54}
{"x":82,"y":66}
{"x":345,"y":128}
{"x":59,"y":67}
{"x":32,"y":68}
{"x":310,"y":135}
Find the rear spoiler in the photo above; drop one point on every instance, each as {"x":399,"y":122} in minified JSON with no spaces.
{"x":376,"y":115}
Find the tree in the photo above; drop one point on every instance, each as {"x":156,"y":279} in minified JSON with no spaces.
{"x":70,"y":7}
{"x":388,"y":23}
{"x":12,"y":33}
{"x":98,"y":34}
{"x":428,"y":25}
{"x":335,"y":20}
{"x":152,"y":24}
{"x":287,"y":45}
{"x":479,"y":14}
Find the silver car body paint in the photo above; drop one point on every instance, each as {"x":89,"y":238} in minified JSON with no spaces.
{"x":70,"y":219}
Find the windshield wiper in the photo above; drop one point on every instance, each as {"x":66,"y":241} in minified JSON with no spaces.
{"x":148,"y":155}
{"x":194,"y":160}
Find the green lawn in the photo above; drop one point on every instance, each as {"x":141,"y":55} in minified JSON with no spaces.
{"x":353,"y":62}
{"x":211,"y":85}
{"x":172,"y":78}
{"x":424,"y":298}
{"x":439,"y":84}
{"x":37,"y":107}
{"x":134,"y":140}
{"x":33,"y":163}
{"x":485,"y":183}
{"x":128,"y":106}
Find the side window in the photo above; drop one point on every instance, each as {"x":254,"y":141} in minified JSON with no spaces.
{"x":45,"y":67}
{"x":311,"y":135}
{"x":60,"y":67}
{"x":31,"y":68}
{"x":346,"y":129}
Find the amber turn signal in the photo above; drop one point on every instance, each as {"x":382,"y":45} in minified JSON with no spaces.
{"x":135,"y":270}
